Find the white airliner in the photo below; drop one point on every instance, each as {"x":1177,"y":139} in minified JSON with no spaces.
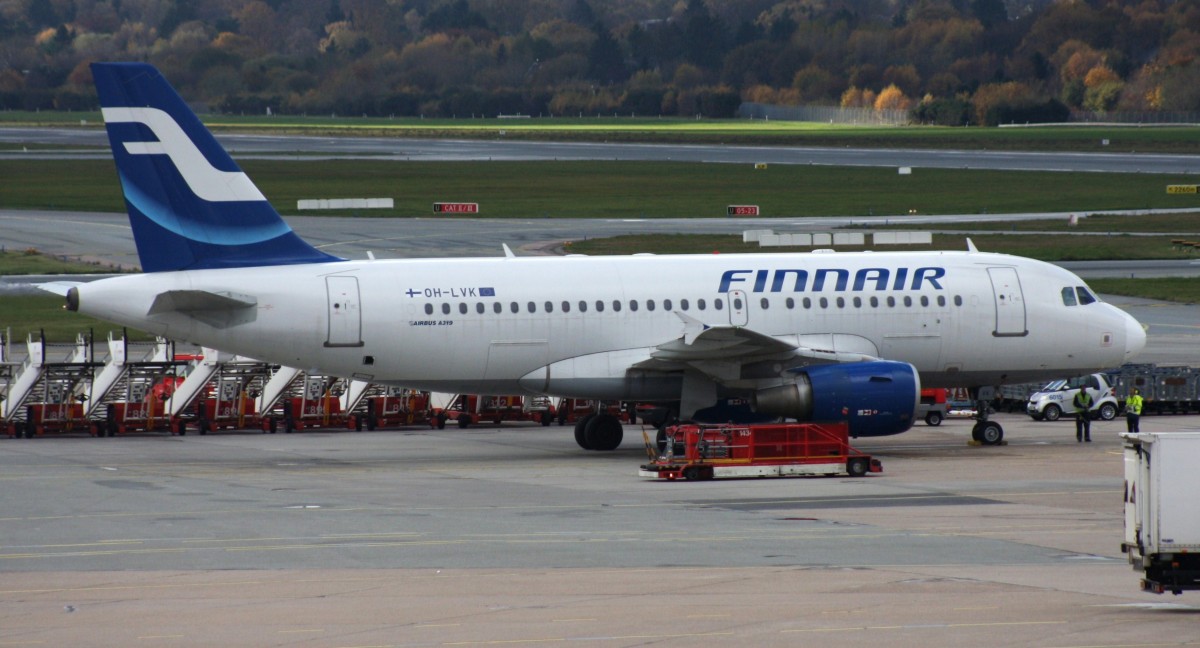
{"x":821,"y":336}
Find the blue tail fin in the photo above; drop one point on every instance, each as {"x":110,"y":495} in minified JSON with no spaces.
{"x":189,"y":204}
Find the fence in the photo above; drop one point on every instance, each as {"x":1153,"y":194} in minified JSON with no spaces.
{"x":826,"y":114}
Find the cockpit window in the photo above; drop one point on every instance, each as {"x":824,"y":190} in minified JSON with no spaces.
{"x":1085,"y":297}
{"x":1068,"y":295}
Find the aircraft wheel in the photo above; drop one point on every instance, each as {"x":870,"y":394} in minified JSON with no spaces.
{"x":604,"y":432}
{"x":933,"y":418}
{"x":988,"y":433}
{"x":581,"y":431}
{"x":1052,"y":412}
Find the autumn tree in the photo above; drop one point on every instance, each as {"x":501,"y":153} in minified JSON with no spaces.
{"x":892,"y":98}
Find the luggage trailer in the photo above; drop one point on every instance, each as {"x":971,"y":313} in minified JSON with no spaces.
{"x":701,"y":452}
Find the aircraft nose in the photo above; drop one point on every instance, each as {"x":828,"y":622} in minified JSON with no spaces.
{"x":1135,"y":337}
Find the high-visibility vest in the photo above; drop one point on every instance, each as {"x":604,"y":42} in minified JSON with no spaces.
{"x":1134,"y":404}
{"x":1083,"y":400}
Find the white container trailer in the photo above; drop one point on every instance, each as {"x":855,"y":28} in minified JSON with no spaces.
{"x":1162,"y":511}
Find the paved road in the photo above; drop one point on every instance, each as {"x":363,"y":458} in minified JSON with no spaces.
{"x":515,"y":536}
{"x":105,"y":237}
{"x":283,"y":146}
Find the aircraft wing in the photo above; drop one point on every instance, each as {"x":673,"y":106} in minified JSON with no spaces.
{"x":720,"y":351}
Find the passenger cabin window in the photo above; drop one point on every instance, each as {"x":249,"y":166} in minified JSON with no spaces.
{"x":718,"y":304}
{"x":531,"y":307}
{"x":650,"y":304}
{"x":599,"y":306}
{"x":582,"y":306}
{"x":514,"y":307}
{"x":700,"y":304}
{"x":1085,"y":297}
{"x":479,"y":307}
{"x":445,"y":309}
{"x":549,"y":307}
{"x":566,"y":305}
{"x":633,"y":305}
{"x":764,"y":304}
{"x":497,"y":308}
{"x":683,"y":305}
{"x":791,"y":303}
{"x":429,"y":309}
{"x":667,"y":304}
{"x":1068,"y":296}
{"x":616,"y":306}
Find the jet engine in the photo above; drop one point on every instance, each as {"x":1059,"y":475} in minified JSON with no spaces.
{"x":875,"y":398}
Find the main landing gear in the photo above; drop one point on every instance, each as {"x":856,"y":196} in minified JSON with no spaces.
{"x":985,"y":431}
{"x":599,"y":432}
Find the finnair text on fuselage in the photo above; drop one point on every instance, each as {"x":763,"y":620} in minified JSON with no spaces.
{"x":877,"y":279}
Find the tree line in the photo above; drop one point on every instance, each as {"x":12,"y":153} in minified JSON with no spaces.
{"x":947,"y":61}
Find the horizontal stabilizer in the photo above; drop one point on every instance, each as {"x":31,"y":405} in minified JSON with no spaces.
{"x":217,"y":309}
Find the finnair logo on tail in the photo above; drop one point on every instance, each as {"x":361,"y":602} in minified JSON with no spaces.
{"x":207,"y":182}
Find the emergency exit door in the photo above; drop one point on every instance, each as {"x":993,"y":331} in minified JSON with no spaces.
{"x":345,"y":317}
{"x":1010,"y":303}
{"x":739,"y":308}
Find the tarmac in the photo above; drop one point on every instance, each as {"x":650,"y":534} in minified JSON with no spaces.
{"x":513,"y":535}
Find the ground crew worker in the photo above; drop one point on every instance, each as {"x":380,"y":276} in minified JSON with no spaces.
{"x":1083,"y":415}
{"x":1133,"y":410}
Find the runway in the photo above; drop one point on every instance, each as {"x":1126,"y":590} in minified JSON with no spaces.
{"x":249,"y":147}
{"x":516,"y":536}
{"x":106,"y":237}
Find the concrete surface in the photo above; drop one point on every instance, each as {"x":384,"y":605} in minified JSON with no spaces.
{"x":514,"y":536}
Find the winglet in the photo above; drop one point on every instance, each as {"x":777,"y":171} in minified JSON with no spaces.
{"x":508,"y":253}
{"x":971,"y":245}
{"x":189,"y":204}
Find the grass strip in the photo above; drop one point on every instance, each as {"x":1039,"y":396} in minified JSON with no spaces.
{"x":622,"y":189}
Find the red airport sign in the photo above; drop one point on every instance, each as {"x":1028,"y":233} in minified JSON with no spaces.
{"x":455,"y":208}
{"x":742,"y":210}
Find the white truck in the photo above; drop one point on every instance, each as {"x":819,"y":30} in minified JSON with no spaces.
{"x":1162,"y":524}
{"x":1057,"y":398}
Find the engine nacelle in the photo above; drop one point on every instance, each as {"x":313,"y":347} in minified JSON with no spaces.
{"x":875,"y":398}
